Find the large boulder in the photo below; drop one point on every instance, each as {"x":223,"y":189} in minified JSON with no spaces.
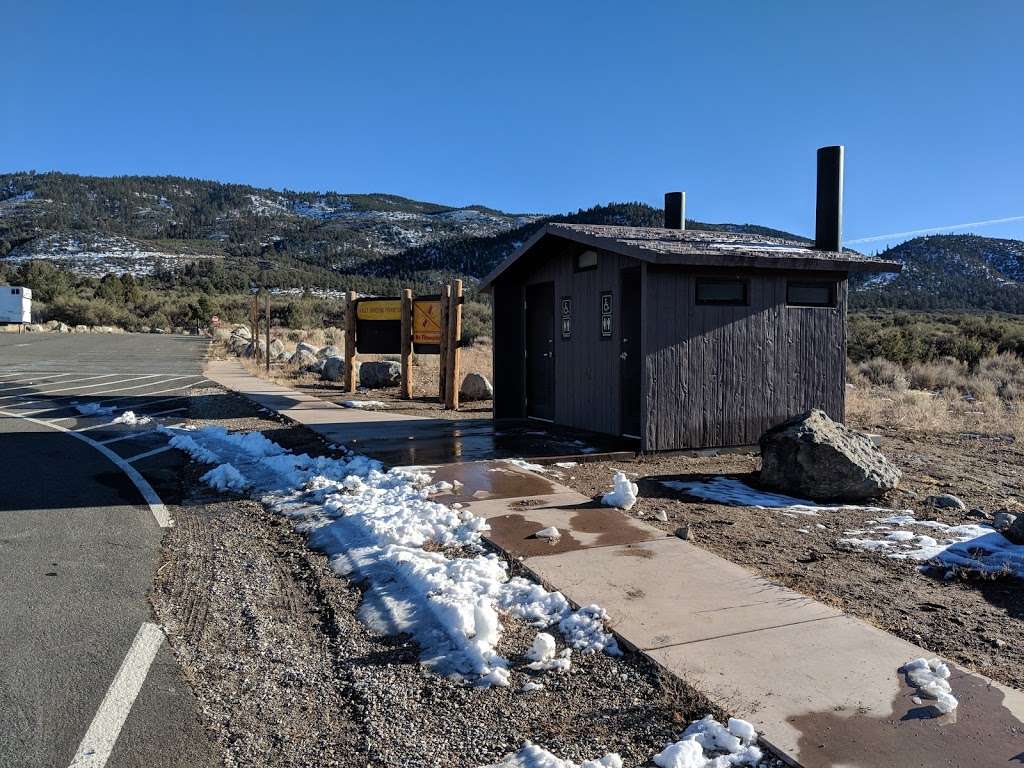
{"x":380,"y":374}
{"x":243,"y":332}
{"x":277,"y":350}
{"x":256,"y":348}
{"x":813,"y":457}
{"x":476,"y":387}
{"x":305,"y":360}
{"x":329,"y":351}
{"x":334,"y":368}
{"x":305,"y":346}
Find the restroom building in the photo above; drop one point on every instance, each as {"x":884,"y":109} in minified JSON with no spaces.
{"x":681,"y":339}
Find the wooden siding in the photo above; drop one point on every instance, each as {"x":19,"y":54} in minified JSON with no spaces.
{"x":587,"y":365}
{"x":718,"y":376}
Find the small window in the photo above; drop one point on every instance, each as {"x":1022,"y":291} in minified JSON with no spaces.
{"x":15,"y":291}
{"x":722,"y":292}
{"x":810,"y":294}
{"x":586,"y":260}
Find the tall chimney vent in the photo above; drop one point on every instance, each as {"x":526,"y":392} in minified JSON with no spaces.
{"x":828,"y":219}
{"x":675,"y":210}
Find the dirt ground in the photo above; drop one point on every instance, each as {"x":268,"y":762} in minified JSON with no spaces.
{"x":978,"y":623}
{"x":286,"y":675}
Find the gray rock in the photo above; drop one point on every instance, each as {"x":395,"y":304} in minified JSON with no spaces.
{"x":380,"y":374}
{"x":277,"y":350}
{"x":476,"y":387}
{"x":978,"y":514}
{"x":945,"y":501}
{"x":34,"y":328}
{"x":334,"y":368}
{"x":1003,"y":519}
{"x":1015,"y":532}
{"x":304,"y":360}
{"x":329,"y":351}
{"x":81,"y":329}
{"x":305,"y":346}
{"x":814,"y":457}
{"x":257,"y":348}
{"x":242,"y":331}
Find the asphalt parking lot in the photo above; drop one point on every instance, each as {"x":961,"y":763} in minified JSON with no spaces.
{"x":85,"y":676}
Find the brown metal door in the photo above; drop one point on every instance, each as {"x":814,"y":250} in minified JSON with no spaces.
{"x":629,"y":352}
{"x":540,"y":351}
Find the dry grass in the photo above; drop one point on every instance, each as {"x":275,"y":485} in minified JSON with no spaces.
{"x":942,"y":396}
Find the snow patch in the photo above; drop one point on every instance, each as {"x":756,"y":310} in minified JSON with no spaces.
{"x":931,"y":679}
{"x":375,"y":526}
{"x":94,"y":409}
{"x":623,"y":493}
{"x":533,"y":756}
{"x":366,"y":404}
{"x":129,"y":418}
{"x":729,"y":490}
{"x":709,"y":744}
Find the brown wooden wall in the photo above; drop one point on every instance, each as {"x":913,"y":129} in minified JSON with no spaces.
{"x":719,"y":376}
{"x":587,"y":365}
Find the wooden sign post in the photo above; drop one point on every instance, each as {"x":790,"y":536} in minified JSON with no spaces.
{"x":350,"y":342}
{"x":407,"y":344}
{"x":442,"y":361}
{"x":268,"y":330}
{"x":454,"y":362}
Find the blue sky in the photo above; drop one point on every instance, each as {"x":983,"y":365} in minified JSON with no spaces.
{"x":546,"y":106}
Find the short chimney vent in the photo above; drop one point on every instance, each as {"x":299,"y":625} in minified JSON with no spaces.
{"x":675,"y":210}
{"x":828,"y":219}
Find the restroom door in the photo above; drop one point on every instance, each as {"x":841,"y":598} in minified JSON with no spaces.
{"x":540,"y":351}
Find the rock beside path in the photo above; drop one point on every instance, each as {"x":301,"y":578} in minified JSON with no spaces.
{"x":945,"y":501}
{"x":813,"y":457}
{"x":476,"y":387}
{"x":379,"y":374}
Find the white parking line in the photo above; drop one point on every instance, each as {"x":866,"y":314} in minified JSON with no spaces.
{"x":67,"y":389}
{"x":26,"y":383}
{"x":147,"y":454}
{"x":129,"y":436}
{"x":99,"y":740}
{"x":160,"y":513}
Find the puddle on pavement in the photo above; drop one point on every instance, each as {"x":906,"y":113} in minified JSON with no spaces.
{"x":489,"y":480}
{"x":581,"y":528}
{"x":439,"y":441}
{"x":980,"y":732}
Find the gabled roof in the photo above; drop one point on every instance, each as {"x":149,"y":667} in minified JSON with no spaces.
{"x":689,"y":247}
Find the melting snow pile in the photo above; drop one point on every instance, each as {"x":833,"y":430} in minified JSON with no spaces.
{"x":532,"y":756}
{"x":729,"y":490}
{"x":129,"y":418}
{"x":704,"y":744}
{"x":375,"y":526}
{"x":544,"y":656}
{"x":94,"y":409}
{"x":551,"y":533}
{"x":931,"y":679}
{"x":367,"y":404}
{"x":708,"y":744}
{"x":975,"y":547}
{"x":623,"y":493}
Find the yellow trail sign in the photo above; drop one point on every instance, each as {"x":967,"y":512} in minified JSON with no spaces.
{"x":379,"y":309}
{"x":426,"y":321}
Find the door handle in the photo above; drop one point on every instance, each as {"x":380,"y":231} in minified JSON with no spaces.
{"x":623,"y":355}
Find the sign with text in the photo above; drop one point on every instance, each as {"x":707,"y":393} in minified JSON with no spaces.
{"x":426,"y":325}
{"x":379,"y":325}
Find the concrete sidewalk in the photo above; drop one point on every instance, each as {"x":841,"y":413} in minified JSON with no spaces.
{"x":822,"y":687}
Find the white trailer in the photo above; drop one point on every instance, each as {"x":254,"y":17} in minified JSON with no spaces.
{"x":15,"y":304}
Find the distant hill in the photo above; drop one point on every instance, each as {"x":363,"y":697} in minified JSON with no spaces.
{"x":949,"y":272}
{"x":144,"y":224}
{"x":192,"y":231}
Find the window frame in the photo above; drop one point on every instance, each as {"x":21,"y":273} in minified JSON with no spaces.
{"x":742,"y":281}
{"x":576,"y":261}
{"x":831,"y":285}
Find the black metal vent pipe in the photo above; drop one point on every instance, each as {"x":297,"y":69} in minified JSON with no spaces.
{"x":675,"y":210}
{"x":828,"y":218}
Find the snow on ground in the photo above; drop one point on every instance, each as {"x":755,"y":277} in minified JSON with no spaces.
{"x":129,"y":418}
{"x":704,"y":744}
{"x":533,"y":756}
{"x":729,"y":490}
{"x":931,"y":679}
{"x":623,"y":493}
{"x":368,"y":404}
{"x":974,"y":547}
{"x":94,"y":409}
{"x":376,"y":526}
{"x":523,"y":464}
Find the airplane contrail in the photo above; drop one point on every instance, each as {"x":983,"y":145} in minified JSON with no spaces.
{"x":913,"y":232}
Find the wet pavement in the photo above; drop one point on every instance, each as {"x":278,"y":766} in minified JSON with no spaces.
{"x":442,"y":441}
